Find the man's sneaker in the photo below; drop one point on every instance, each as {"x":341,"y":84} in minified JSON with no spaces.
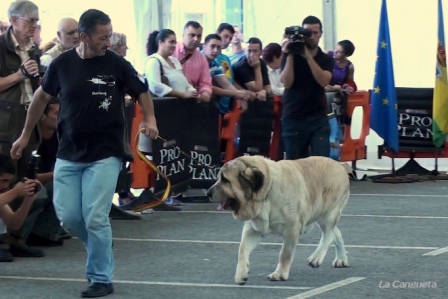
{"x":25,"y":251}
{"x":64,"y":234}
{"x":5,"y":256}
{"x":98,"y":289}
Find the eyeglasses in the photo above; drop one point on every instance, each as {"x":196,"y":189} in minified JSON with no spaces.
{"x":31,"y":21}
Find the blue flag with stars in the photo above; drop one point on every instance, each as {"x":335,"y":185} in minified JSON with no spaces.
{"x":383,"y":115}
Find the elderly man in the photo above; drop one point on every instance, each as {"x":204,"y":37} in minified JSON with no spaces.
{"x":19,"y":70}
{"x":68,"y":38}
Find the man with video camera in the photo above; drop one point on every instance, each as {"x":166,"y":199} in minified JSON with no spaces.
{"x":305,"y":71}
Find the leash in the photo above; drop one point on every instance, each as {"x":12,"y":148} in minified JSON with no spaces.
{"x":166,"y":194}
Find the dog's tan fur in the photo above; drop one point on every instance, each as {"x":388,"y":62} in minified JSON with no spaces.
{"x":284,"y":197}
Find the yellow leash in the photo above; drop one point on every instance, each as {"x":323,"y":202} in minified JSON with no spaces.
{"x":166,"y":194}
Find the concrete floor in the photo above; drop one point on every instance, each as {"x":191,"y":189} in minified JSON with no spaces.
{"x":192,"y":254}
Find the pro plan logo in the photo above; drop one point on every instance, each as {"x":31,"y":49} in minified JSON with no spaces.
{"x":441,"y":55}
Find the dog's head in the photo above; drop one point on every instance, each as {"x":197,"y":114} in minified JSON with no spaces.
{"x":242,"y":186}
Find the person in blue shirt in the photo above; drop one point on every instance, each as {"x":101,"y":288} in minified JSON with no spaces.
{"x":238,"y":48}
{"x":222,"y":77}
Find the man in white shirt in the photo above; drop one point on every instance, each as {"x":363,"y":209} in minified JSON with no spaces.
{"x":272,"y":54}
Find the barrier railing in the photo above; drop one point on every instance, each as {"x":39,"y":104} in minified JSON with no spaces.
{"x":228,"y":133}
{"x":276,"y":150}
{"x":355,"y":149}
{"x":259,"y":129}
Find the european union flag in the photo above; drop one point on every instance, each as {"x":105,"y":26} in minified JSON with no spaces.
{"x":384,"y":116}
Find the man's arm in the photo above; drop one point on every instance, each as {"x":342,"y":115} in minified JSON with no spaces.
{"x":268,"y":90}
{"x":257,"y":84}
{"x":321,"y":76}
{"x":150,"y":124}
{"x":11,"y":80}
{"x":14,"y":220}
{"x":287,"y":74}
{"x":45,"y":177}
{"x":205,"y":81}
{"x":8,"y":196}
{"x":21,"y":189}
{"x":224,"y":88}
{"x":35,"y":111}
{"x":30,"y":66}
{"x":265,"y":76}
{"x":287,"y":68}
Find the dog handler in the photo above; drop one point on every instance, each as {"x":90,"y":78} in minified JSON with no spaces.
{"x":90,"y":81}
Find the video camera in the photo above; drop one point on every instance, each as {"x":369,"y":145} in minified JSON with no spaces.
{"x":32,"y":169}
{"x":296,"y":36}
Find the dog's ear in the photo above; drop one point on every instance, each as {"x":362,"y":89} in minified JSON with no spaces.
{"x":254,"y":177}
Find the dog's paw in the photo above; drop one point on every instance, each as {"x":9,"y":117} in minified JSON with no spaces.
{"x":242,"y":274}
{"x":241,"y":280}
{"x":339,"y":263}
{"x":315,"y":261}
{"x":276,"y":276}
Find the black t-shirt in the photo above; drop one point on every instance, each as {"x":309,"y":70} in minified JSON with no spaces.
{"x":243,"y":73}
{"x":48,"y":150}
{"x":305,"y":98}
{"x":91,"y":123}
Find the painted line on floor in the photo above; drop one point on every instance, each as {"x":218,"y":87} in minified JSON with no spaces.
{"x":395,"y":216}
{"x":343,"y":215}
{"x":267,"y":243}
{"x":399,"y":195}
{"x":162,"y":283}
{"x":437,"y":251}
{"x":327,"y":288}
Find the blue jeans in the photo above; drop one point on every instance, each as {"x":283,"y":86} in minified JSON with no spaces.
{"x":306,"y":137}
{"x":335,"y":138}
{"x":83,"y":194}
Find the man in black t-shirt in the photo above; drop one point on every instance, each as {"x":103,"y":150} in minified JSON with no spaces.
{"x":43,"y":229}
{"x":251,"y":73}
{"x":91,"y":82}
{"x":305,"y":127}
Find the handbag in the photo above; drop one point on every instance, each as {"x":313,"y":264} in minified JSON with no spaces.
{"x":163,"y":78}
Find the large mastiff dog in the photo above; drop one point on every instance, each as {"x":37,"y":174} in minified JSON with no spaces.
{"x":284,"y":197}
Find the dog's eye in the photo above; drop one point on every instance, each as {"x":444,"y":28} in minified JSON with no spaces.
{"x":224,"y":180}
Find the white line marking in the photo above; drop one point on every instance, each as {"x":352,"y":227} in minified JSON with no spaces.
{"x":396,"y":216}
{"x":343,"y":215}
{"x":437,"y":251}
{"x":163,"y":283}
{"x":327,"y":288}
{"x":401,"y":195}
{"x":269,"y":244}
